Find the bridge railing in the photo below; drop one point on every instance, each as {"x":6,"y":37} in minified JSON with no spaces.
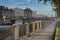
{"x":28,"y":28}
{"x":16,"y":31}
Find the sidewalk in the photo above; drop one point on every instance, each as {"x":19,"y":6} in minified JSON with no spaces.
{"x":45,"y":34}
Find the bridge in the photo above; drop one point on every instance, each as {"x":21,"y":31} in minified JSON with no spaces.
{"x":36,"y":30}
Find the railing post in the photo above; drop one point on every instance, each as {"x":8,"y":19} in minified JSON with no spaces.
{"x":45,"y":22}
{"x":38,"y":26}
{"x":16,"y":32}
{"x":33,"y":27}
{"x":27,"y":29}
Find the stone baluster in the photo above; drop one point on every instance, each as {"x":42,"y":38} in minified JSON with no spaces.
{"x":45,"y":23}
{"x":16,"y":32}
{"x":40,"y":25}
{"x":37,"y":26}
{"x":33,"y":27}
{"x":27,"y":29}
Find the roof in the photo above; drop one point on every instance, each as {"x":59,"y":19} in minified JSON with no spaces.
{"x":27,"y":9}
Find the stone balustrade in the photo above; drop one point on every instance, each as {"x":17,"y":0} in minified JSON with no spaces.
{"x":35,"y":26}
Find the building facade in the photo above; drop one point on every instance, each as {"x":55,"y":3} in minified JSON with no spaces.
{"x":6,"y":15}
{"x":28,"y":13}
{"x":34,"y":14}
{"x":18,"y":13}
{"x":1,"y":8}
{"x":9,"y":15}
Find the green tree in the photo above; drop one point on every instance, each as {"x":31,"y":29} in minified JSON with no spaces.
{"x":56,"y":3}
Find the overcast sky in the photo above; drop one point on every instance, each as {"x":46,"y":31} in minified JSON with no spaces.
{"x":33,"y":4}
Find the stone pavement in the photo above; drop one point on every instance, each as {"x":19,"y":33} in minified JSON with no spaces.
{"x":45,"y":34}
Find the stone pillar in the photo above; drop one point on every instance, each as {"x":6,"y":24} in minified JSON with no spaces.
{"x":16,"y":32}
{"x":27,"y":29}
{"x":33,"y":27}
{"x":38,"y":26}
{"x":45,"y":23}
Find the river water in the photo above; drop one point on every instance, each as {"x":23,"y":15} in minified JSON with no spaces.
{"x":17,"y":22}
